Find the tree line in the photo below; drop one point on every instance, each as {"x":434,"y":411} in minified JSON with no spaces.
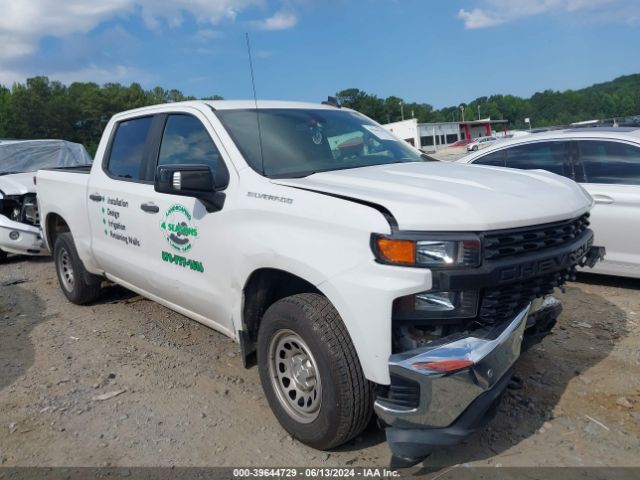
{"x":41,"y":108}
{"x":617,"y":98}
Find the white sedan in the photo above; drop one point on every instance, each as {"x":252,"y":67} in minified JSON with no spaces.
{"x":606,"y":162}
{"x":480,"y":143}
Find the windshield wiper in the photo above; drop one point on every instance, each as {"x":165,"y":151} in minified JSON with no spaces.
{"x":9,"y":173}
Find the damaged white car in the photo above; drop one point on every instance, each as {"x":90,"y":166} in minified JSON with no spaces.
{"x":19,"y":218}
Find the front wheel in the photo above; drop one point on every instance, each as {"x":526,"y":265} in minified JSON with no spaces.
{"x":310,"y":372}
{"x":78,"y":285}
{"x":3,"y":256}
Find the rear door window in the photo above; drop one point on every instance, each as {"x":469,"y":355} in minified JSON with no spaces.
{"x":550,"y":156}
{"x":609,"y":162}
{"x":126,"y":155}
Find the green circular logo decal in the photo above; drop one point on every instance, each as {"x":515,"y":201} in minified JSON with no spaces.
{"x":178,"y":228}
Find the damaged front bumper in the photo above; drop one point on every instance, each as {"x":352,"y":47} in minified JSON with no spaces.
{"x":20,"y":238}
{"x":451,"y":404}
{"x":442,"y":392}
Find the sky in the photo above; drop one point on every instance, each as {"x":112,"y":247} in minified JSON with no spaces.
{"x":441,"y":52}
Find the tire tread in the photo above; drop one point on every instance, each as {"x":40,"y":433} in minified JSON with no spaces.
{"x":333,"y":332}
{"x":84,"y":292}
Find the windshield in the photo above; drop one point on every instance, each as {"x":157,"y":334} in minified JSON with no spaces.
{"x":30,"y":155}
{"x":299,"y":142}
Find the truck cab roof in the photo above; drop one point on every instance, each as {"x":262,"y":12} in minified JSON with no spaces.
{"x":227,"y":105}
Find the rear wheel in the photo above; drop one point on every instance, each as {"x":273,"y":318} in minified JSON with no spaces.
{"x":78,"y":285}
{"x":3,"y":256}
{"x":310,"y":372}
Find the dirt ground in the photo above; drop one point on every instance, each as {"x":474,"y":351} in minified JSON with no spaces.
{"x":184,"y":399}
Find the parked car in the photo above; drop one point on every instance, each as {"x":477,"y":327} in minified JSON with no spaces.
{"x":462,"y":143}
{"x":480,"y":143}
{"x":19,"y":218}
{"x":606,"y":162}
{"x":363,"y":278}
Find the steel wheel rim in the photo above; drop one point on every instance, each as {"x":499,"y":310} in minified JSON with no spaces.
{"x":66,"y":270}
{"x":294,"y":376}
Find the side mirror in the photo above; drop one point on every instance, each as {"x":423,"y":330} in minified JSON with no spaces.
{"x":193,"y":181}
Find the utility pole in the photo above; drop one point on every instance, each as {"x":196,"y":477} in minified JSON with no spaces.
{"x":478,"y":111}
{"x":462,"y":110}
{"x":402,"y":110}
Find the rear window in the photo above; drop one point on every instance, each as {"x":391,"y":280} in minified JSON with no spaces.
{"x":127,"y":148}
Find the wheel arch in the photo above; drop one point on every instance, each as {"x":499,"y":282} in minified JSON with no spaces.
{"x":264,"y":287}
{"x":54,"y":225}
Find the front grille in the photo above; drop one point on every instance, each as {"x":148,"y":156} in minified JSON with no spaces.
{"x":521,"y":241}
{"x":503,"y":303}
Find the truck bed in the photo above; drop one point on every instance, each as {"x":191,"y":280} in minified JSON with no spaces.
{"x":63,"y":193}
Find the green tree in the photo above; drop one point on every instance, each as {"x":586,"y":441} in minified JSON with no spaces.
{"x":41,"y":108}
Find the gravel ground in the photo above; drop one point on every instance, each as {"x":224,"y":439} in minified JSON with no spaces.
{"x":126,"y":382}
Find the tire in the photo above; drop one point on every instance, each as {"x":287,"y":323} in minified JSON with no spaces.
{"x":3,"y":256}
{"x":78,"y":285}
{"x":343,"y":401}
{"x":475,"y":148}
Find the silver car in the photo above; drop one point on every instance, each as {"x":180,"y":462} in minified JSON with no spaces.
{"x":480,"y":143}
{"x":606,"y":162}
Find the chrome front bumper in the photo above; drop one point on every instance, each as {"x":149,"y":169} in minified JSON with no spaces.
{"x":20,"y":238}
{"x":445,"y":396}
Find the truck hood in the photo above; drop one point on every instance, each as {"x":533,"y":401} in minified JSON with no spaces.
{"x":17,"y":184}
{"x":453,"y":197}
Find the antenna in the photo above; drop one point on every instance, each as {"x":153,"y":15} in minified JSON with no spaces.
{"x":255,"y":100}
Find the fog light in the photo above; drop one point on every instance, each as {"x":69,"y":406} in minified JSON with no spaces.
{"x":436,"y":301}
{"x":436,"y":305}
{"x":14,"y":235}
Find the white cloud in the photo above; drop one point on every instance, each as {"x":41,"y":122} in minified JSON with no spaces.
{"x":7,"y":77}
{"x":24,"y":23}
{"x":478,"y":18}
{"x":496,"y":12}
{"x":91,"y":73}
{"x":281,"y":20}
{"x":205,"y":35}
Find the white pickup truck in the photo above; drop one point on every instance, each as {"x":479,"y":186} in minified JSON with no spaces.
{"x":358,"y":276}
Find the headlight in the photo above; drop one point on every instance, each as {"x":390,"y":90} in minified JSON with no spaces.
{"x":436,"y":305}
{"x":428,"y":251}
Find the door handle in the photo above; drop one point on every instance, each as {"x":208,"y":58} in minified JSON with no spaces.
{"x":603,"y":199}
{"x":150,"y":207}
{"x":96,"y":197}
